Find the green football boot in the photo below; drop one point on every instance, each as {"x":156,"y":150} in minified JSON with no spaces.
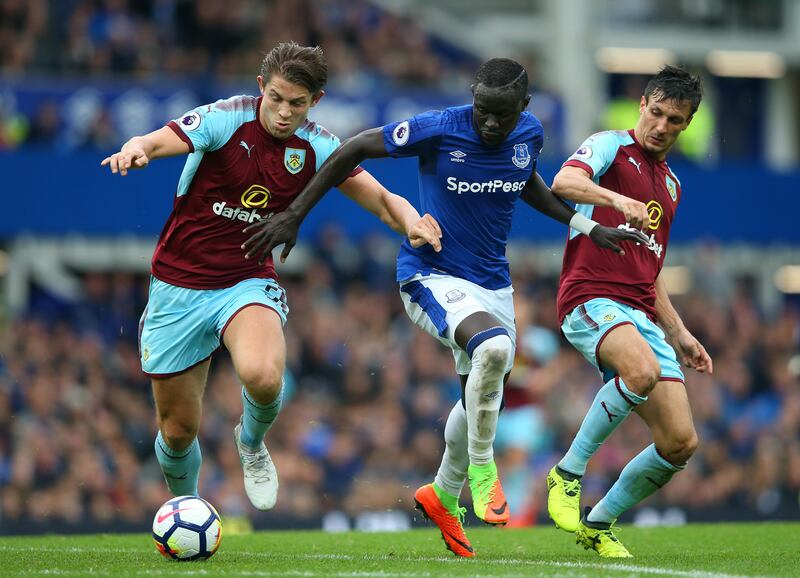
{"x":563,"y":500}
{"x":601,"y":538}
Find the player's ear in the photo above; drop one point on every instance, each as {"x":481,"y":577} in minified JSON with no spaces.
{"x":317,"y":97}
{"x":472,"y":88}
{"x":526,"y":101}
{"x":262,"y":83}
{"x":642,"y":105}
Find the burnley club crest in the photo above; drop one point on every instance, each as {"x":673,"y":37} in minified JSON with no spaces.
{"x":294,"y":160}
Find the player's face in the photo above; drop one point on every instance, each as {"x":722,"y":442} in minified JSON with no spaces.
{"x":660,"y":124}
{"x":495,"y":113}
{"x":285,"y":105}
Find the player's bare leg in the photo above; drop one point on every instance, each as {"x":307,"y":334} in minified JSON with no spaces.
{"x":637,"y":370}
{"x":490,"y":349}
{"x":179,"y":400}
{"x":254,"y":338}
{"x":669,"y":417}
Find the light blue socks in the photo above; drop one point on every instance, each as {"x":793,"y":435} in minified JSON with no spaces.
{"x":643,"y":475}
{"x":257,"y":418}
{"x":611,"y":405}
{"x":181,"y":468}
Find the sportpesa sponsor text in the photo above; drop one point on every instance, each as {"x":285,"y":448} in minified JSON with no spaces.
{"x":495,"y":186}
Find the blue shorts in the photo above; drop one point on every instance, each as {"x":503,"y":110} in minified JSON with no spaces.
{"x":183,"y":327}
{"x":587,"y":325}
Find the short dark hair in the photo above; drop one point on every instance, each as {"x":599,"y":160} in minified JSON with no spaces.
{"x":674,"y":83}
{"x":503,"y":73}
{"x":303,"y":65}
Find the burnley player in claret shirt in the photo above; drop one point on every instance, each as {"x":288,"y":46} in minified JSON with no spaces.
{"x":615,"y":310}
{"x":248,"y":158}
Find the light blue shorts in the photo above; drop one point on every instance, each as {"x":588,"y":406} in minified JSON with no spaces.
{"x":183,"y":327}
{"x":587,"y":325}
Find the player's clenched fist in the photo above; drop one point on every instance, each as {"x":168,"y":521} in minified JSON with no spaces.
{"x":635,"y":211}
{"x":426,"y":231}
{"x":132,"y":156}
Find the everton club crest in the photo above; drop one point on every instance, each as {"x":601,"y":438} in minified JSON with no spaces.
{"x":294,"y":160}
{"x":522,"y":157}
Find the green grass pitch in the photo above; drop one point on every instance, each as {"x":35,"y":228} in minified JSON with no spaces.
{"x":701,"y":551}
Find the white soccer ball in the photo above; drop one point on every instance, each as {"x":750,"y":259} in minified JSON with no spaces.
{"x":187,"y":528}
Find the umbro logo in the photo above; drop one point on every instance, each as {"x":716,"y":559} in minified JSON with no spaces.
{"x":634,"y":163}
{"x":457,"y":156}
{"x":247,"y":147}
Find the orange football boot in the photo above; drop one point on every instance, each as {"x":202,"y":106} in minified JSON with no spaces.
{"x":449,"y":522}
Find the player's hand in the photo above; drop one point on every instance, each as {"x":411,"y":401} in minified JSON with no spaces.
{"x":128,"y":158}
{"x":635,"y":211}
{"x":691,"y":352}
{"x":266,"y":234}
{"x":611,"y":237}
{"x":426,"y":231}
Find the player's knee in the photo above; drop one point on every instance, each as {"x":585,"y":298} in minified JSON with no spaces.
{"x":643,"y":377}
{"x":178,"y":434}
{"x":681,"y":446}
{"x":263,"y":383}
{"x":495,"y":353}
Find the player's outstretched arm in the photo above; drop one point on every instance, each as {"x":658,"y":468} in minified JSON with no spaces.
{"x":393,"y":210}
{"x":140,"y":150}
{"x":575,"y":184}
{"x":539,"y":196}
{"x":690,"y":351}
{"x":282,"y":227}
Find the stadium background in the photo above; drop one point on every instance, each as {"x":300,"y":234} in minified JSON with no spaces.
{"x":368,"y":393}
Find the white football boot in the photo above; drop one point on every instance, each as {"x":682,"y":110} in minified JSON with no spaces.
{"x":260,"y":475}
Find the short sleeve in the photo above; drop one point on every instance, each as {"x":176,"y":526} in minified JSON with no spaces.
{"x":323,"y":146}
{"x":413,"y":137}
{"x":596,"y":153}
{"x":209,"y":127}
{"x":324,"y":143}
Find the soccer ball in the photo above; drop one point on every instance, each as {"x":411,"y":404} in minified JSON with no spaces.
{"x":187,"y":528}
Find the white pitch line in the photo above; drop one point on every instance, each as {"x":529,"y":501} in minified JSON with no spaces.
{"x":625,"y":568}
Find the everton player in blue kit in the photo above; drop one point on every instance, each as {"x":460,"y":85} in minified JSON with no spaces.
{"x":474,"y":162}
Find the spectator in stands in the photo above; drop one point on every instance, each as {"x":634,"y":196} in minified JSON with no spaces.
{"x":372,"y":373}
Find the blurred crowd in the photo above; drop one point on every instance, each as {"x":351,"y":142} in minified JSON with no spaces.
{"x":208,"y":38}
{"x":367,"y":396}
{"x":124,"y":67}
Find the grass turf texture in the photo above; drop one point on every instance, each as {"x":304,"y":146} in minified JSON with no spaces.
{"x":702,"y":551}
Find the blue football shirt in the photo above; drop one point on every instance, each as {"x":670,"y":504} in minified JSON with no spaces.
{"x":469,"y":188}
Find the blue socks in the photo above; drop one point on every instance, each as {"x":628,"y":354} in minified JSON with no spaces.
{"x":257,"y":418}
{"x":181,"y":468}
{"x":643,"y":475}
{"x":611,"y":405}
